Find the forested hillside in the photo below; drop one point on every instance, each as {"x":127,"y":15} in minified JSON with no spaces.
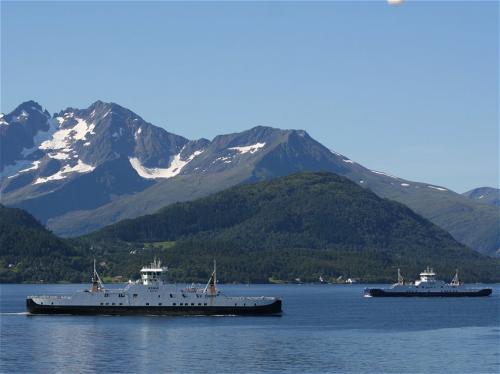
{"x":29,"y":252}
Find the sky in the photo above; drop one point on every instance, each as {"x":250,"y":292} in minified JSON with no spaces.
{"x":412,"y":90}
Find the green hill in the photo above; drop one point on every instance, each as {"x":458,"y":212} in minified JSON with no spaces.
{"x":299,"y":226}
{"x":29,"y":252}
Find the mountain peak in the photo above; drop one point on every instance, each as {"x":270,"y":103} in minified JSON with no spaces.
{"x":25,"y":109}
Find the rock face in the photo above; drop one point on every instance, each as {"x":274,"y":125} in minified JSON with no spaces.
{"x":82,"y":169}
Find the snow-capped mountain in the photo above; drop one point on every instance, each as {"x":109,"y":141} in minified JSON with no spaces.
{"x":110,"y":149}
{"x":81,"y":169}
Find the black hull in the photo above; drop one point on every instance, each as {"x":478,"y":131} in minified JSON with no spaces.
{"x":377,"y":292}
{"x":270,"y":309}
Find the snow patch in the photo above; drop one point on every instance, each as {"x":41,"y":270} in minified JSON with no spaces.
{"x":385,"y":174}
{"x":438,"y":188}
{"x":33,"y":166}
{"x":249,"y":148}
{"x":22,"y":116}
{"x":348,"y":161}
{"x":405,"y":185}
{"x":13,"y":169}
{"x":62,"y":138}
{"x":176,"y":165}
{"x":137,"y":133}
{"x":2,"y":120}
{"x":80,"y":167}
{"x":58,"y":156}
{"x":223,"y":158}
{"x":86,"y":144}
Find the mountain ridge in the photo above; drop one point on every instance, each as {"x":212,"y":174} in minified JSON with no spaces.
{"x":79,"y":154}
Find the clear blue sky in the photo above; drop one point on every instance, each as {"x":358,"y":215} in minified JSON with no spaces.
{"x":411,"y":90}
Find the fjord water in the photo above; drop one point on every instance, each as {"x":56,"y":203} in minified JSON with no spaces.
{"x":324,"y":328}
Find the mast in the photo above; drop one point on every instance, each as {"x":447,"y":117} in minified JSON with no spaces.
{"x":96,"y":281}
{"x":211,"y":286}
{"x":400,"y":278}
{"x":455,"y":281}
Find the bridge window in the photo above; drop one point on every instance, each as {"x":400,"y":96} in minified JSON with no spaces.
{"x":147,"y":303}
{"x":174,"y":304}
{"x":159,"y":303}
{"x":192,"y":303}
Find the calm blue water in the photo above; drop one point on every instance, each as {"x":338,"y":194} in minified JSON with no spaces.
{"x":325,"y":328}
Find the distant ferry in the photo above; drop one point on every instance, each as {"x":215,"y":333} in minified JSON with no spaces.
{"x":152,"y":295}
{"x":427,"y":286}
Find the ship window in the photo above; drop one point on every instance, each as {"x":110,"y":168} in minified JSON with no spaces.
{"x":174,"y":304}
{"x":51,"y":303}
{"x":147,"y":303}
{"x":159,"y":303}
{"x":112,"y":303}
{"x":121,"y":303}
{"x":107,"y":303}
{"x":158,"y":295}
{"x":171,"y":296}
{"x":205,"y":304}
{"x":106,"y":294}
{"x":235,"y":304}
{"x":102,"y":303}
{"x":199,"y":303}
{"x":244,"y":304}
{"x":192,"y":303}
{"x":135,"y":295}
{"x":121,"y":295}
{"x":255,"y":304}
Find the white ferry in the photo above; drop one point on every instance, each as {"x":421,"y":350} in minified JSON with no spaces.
{"x":153,"y":295}
{"x":427,"y":286}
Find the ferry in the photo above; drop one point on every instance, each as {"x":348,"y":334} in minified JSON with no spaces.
{"x":427,"y":286}
{"x":153,"y":295}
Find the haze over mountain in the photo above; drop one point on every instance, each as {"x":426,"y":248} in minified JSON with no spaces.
{"x":82,"y":169}
{"x":485,"y":195}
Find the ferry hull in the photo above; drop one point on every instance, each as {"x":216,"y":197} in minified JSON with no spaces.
{"x":377,"y":292}
{"x":269,"y":309}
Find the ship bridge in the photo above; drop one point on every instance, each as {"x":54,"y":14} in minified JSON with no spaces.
{"x":153,"y":274}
